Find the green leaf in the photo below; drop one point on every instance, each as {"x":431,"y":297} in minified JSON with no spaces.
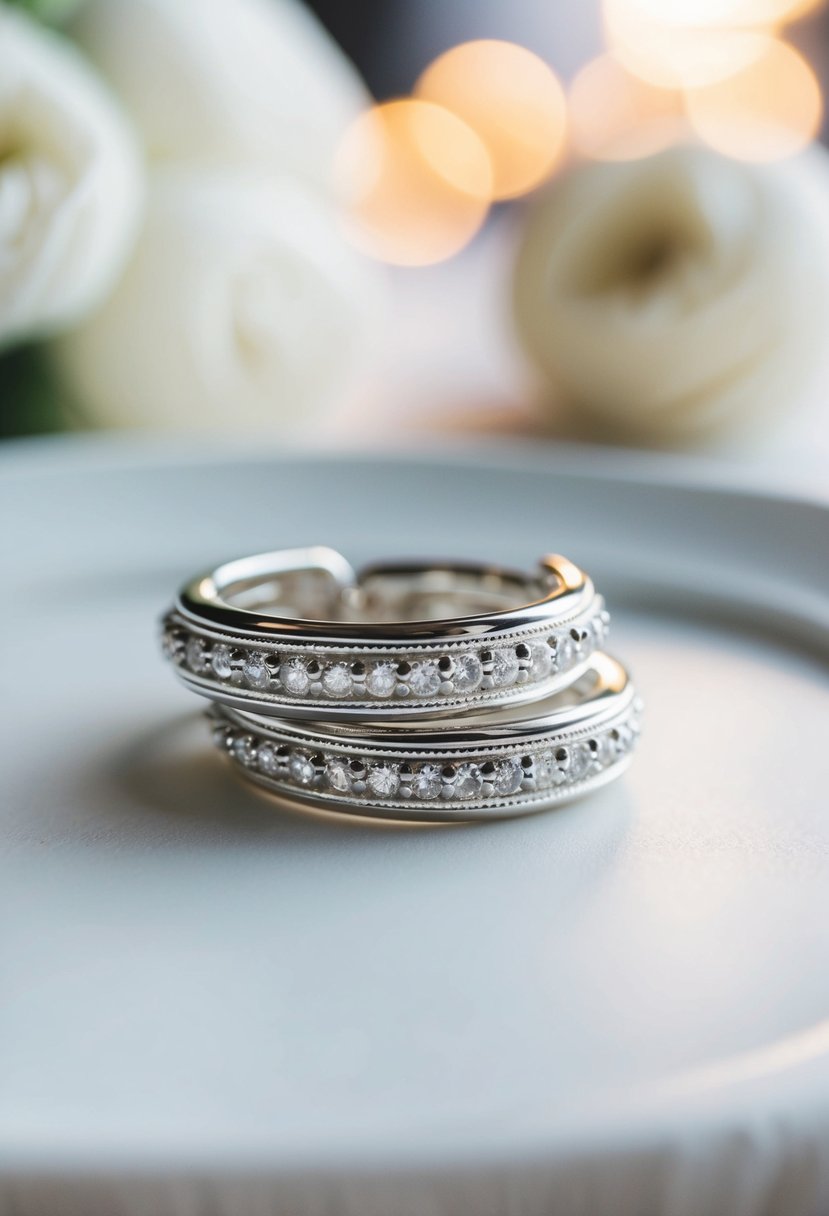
{"x":52,"y":12}
{"x":31,"y":400}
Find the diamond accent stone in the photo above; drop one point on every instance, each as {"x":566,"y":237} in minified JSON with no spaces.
{"x":581,"y":760}
{"x":599,"y":627}
{"x":301,"y":769}
{"x":424,"y":679}
{"x":338,"y":773}
{"x":267,"y":760}
{"x":244,"y":749}
{"x":220,"y":734}
{"x":582,"y":638}
{"x":468,"y":672}
{"x":220,"y":661}
{"x":381,"y":681}
{"x":294,"y":676}
{"x":427,"y":783}
{"x":504,"y":667}
{"x":384,"y":780}
{"x":255,"y":671}
{"x":601,"y":751}
{"x":558,"y":762}
{"x":564,"y":652}
{"x":195,"y":655}
{"x":620,"y":741}
{"x":468,"y":781}
{"x":543,"y":769}
{"x":171,"y":643}
{"x":508,"y":777}
{"x":541,"y":660}
{"x":336,"y":680}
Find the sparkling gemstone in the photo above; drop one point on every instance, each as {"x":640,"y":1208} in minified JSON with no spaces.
{"x":582,"y":638}
{"x":301,"y":769}
{"x":564,"y":652}
{"x":381,"y":681}
{"x":504,"y":667}
{"x":599,"y":628}
{"x":426,"y":783}
{"x":468,"y":781}
{"x":220,"y":734}
{"x":220,"y":662}
{"x":620,"y":741}
{"x":338,"y":773}
{"x":580,"y":762}
{"x":244,"y":750}
{"x":544,"y":769}
{"x":336,"y":680}
{"x":255,"y":672}
{"x":294,"y":676}
{"x":196,"y":658}
{"x":508,"y":777}
{"x":267,"y":759}
{"x":558,"y":766}
{"x":602,"y":751}
{"x":424,"y":679}
{"x":171,"y":644}
{"x":541,"y":660}
{"x":468,"y":672}
{"x":383,"y":779}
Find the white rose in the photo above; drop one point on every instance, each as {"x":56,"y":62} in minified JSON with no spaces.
{"x":231,"y":81}
{"x":70,"y":184}
{"x":242,"y":304}
{"x":671,"y":297}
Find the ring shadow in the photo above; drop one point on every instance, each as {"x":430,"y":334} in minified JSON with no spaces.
{"x":171,"y":773}
{"x":172,"y":770}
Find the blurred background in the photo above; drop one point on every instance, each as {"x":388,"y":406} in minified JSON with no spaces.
{"x":383,"y":222}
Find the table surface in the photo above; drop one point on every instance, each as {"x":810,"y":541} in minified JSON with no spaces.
{"x":621,"y":1005}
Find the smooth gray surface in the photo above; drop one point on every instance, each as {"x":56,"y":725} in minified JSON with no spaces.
{"x":227,"y":1006}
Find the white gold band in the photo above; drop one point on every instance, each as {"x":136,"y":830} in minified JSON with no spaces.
{"x":401,"y":640}
{"x":484,"y":765}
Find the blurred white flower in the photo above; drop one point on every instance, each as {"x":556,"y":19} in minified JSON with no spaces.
{"x":242,"y":305}
{"x":669,"y":298}
{"x":226,"y":81}
{"x":70,"y":183}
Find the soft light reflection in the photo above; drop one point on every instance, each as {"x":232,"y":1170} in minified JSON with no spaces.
{"x":655,"y":45}
{"x":616,"y":116}
{"x":763,"y":12}
{"x":512,"y":100}
{"x":720,"y":14}
{"x":418,"y":180}
{"x":769,"y":110}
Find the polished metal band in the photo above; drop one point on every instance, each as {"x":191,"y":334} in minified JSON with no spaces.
{"x":490,"y":764}
{"x":300,"y":634}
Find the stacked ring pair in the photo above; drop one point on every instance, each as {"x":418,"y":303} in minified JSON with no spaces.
{"x":408,"y":690}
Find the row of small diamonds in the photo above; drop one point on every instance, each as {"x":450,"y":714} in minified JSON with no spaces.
{"x":343,"y":775}
{"x":463,"y":673}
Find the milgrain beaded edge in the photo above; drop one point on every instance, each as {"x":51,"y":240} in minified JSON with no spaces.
{"x":314,"y":756}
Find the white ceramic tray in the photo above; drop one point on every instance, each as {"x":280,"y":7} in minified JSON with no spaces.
{"x":211,"y":1005}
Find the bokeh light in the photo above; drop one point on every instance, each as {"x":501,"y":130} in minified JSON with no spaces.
{"x":417,"y":180}
{"x":769,"y":110}
{"x":616,"y":116}
{"x":764,"y":12}
{"x":654,"y":44}
{"x":512,"y":100}
{"x":719,"y":14}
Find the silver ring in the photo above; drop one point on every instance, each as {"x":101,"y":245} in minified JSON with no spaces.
{"x":300,"y":634}
{"x":485,"y":765}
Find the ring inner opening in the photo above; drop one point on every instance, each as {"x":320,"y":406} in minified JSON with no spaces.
{"x":385,"y":595}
